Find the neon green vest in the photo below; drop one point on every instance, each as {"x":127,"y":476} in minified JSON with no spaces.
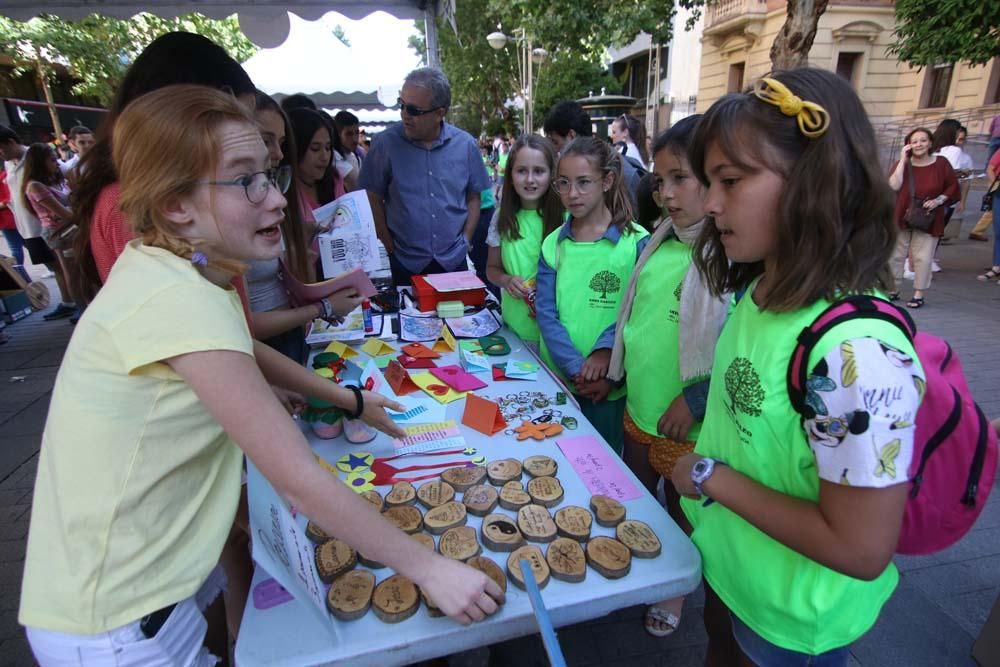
{"x":520,"y":258}
{"x":788,"y":599}
{"x":652,"y":364}
{"x":591,"y":279}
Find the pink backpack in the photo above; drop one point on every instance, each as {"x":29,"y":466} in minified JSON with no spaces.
{"x":955,"y":447}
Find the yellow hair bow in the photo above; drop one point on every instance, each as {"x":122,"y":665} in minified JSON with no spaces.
{"x":812,"y":118}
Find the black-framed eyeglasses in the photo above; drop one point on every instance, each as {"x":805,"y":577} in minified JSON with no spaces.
{"x":412,"y":109}
{"x":255,"y":185}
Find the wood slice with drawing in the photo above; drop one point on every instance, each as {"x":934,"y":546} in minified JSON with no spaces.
{"x":639,"y":538}
{"x":464,"y":478}
{"x":459,"y":543}
{"x":513,"y":496}
{"x":574,"y":522}
{"x":489,"y":567}
{"x":316,"y":534}
{"x":350,"y":596}
{"x":545,"y":491}
{"x":435,"y":493}
{"x":402,"y":493}
{"x":500,"y":533}
{"x":406,"y":517}
{"x":375,"y":498}
{"x":608,"y":511}
{"x":540,"y":466}
{"x":334,"y":558}
{"x":609,"y":557}
{"x":395,"y":599}
{"x":539,"y":567}
{"x":536,"y":524}
{"x":503,"y":470}
{"x":480,"y":500}
{"x":567,"y":560}
{"x":439,"y":519}
{"x":424,"y":539}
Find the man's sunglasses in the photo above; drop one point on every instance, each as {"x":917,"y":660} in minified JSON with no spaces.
{"x":412,"y":109}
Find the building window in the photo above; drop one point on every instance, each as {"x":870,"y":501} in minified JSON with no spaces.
{"x":993,"y":85}
{"x":849,"y":66}
{"x":736,"y":72}
{"x":936,"y":86}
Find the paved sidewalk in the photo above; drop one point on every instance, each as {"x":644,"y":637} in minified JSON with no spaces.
{"x":933,"y":618}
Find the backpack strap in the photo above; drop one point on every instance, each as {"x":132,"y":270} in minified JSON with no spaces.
{"x":839,"y":312}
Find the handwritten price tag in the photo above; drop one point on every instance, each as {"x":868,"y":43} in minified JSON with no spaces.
{"x":600,"y":470}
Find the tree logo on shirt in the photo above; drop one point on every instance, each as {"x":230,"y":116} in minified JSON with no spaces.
{"x":604,"y":282}
{"x":743,"y":386}
{"x":677,"y":292}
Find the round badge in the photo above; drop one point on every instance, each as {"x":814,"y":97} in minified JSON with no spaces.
{"x":355,"y":461}
{"x":361,"y":481}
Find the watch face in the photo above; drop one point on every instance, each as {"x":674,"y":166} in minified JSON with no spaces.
{"x":699,"y":467}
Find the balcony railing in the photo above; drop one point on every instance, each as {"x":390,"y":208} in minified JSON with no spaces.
{"x":724,"y":10}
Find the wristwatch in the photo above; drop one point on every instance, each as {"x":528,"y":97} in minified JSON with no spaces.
{"x":701,"y":471}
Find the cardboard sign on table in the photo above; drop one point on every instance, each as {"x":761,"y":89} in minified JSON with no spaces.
{"x":447,"y":342}
{"x":399,"y":380}
{"x":374,"y":347}
{"x":483,"y":415}
{"x":342,"y":350}
{"x":457,"y":378}
{"x":415,"y":362}
{"x":420,"y":351}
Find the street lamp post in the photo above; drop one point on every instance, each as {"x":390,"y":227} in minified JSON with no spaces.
{"x":527,"y":58}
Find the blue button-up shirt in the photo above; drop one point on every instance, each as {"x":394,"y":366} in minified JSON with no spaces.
{"x":425,"y":192}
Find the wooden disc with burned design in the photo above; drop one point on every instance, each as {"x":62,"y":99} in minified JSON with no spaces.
{"x":334,"y":558}
{"x":480,"y":500}
{"x":540,"y":466}
{"x":513,"y":496}
{"x":639,"y":538}
{"x":536,"y":524}
{"x":459,"y":543}
{"x":608,"y":511}
{"x":441,"y":518}
{"x":545,"y":491}
{"x":503,"y":470}
{"x":567,"y":560}
{"x":609,"y":557}
{"x":350,"y":596}
{"x":316,"y":534}
{"x":375,"y":498}
{"x":539,"y":567}
{"x":574,"y":522}
{"x":395,"y":599}
{"x":489,"y":567}
{"x":406,"y":517}
{"x":435,"y":493}
{"x":402,"y":493}
{"x":463,"y":478}
{"x":500,"y":533}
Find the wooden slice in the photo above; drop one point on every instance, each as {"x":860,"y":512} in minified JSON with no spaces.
{"x":439,"y":519}
{"x":402,"y":493}
{"x":316,"y":534}
{"x":536,"y":524}
{"x":639,"y":538}
{"x":406,"y":517}
{"x":435,"y":493}
{"x":395,"y":599}
{"x":504,"y":470}
{"x":432,"y":609}
{"x":334,"y":558}
{"x":540,"y":466}
{"x":500,"y":533}
{"x":539,"y":567}
{"x":574,"y":522}
{"x":480,"y":500}
{"x":369,"y":563}
{"x":545,"y":491}
{"x":462,"y":479}
{"x":513,"y":496}
{"x":459,"y":543}
{"x":609,"y":557}
{"x":350,"y":596}
{"x":608,"y":511}
{"x":491,"y":569}
{"x":567,"y":560}
{"x":424,"y":539}
{"x":375,"y":498}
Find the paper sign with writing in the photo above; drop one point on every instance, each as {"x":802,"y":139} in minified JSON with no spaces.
{"x":598,"y":467}
{"x":428,"y":437}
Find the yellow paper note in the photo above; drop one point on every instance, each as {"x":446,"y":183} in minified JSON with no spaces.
{"x":374,"y":347}
{"x":435,"y":388}
{"x":341,"y":350}
{"x":324,"y":373}
{"x":447,"y":342}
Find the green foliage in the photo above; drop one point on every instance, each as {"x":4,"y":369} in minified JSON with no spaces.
{"x":932,"y":32}
{"x":568,"y":76}
{"x":97,"y":50}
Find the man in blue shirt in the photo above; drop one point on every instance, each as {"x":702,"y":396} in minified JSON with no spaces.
{"x":424,"y":177}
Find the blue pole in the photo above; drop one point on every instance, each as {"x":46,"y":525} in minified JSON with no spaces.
{"x":545,"y":628}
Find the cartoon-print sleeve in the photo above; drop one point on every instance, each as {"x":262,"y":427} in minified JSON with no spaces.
{"x":865,"y":395}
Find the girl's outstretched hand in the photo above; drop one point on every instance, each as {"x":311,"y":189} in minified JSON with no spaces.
{"x":374,"y":414}
{"x":676,"y":421}
{"x":464,"y":594}
{"x":515,"y":286}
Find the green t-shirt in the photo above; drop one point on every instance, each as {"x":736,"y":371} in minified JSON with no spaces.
{"x":520,"y":258}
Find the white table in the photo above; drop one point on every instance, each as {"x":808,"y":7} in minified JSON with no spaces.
{"x":292,"y":634}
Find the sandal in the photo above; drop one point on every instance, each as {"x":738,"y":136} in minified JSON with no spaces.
{"x":991,"y":274}
{"x":655,"y":614}
{"x":915,"y":303}
{"x":893,"y":296}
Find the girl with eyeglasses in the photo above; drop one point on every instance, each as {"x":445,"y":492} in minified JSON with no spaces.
{"x":160,"y":395}
{"x":582,"y":274}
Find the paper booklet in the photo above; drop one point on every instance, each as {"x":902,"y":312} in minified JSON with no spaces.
{"x":349,"y":239}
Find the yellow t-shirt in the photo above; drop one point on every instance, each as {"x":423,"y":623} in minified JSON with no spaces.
{"x":137,"y":483}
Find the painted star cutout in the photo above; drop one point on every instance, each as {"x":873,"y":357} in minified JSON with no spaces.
{"x":355,"y":461}
{"x":469,"y":451}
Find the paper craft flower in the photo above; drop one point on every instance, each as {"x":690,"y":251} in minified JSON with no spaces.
{"x":355,"y":461}
{"x":361,"y":481}
{"x":537,"y":431}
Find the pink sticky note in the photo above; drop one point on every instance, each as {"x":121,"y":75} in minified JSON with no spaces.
{"x":601,"y":471}
{"x":269,"y":593}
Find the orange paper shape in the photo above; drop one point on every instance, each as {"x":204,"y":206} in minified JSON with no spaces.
{"x":399,"y":379}
{"x":420,"y":351}
{"x":447,"y":342}
{"x":483,"y":415}
{"x":537,"y":431}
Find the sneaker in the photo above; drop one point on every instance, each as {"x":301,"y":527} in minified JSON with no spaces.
{"x":935,"y":267}
{"x":59,"y":312}
{"x":76,"y":315}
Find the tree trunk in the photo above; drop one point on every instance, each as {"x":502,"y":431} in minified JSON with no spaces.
{"x":795,"y":39}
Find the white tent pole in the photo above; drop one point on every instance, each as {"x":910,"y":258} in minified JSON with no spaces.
{"x":430,"y":32}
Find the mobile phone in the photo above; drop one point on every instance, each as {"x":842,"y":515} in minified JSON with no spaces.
{"x":151,"y":624}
